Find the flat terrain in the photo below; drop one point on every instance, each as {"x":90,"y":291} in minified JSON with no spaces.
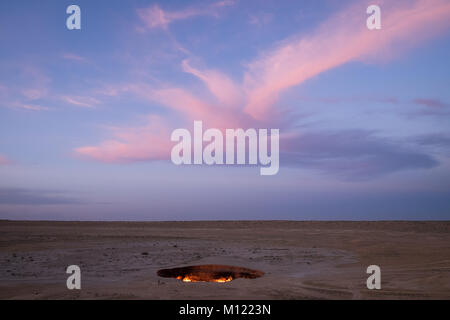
{"x":301,"y":260}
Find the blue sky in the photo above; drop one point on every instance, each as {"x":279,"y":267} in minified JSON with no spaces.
{"x":85,"y":115}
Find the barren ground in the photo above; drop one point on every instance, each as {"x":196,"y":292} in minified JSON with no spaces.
{"x":301,"y":260}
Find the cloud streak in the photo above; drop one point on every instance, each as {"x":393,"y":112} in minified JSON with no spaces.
{"x":430,"y":107}
{"x":18,"y":196}
{"x":253,"y":102}
{"x":431,"y":103}
{"x":150,"y":141}
{"x":342,"y":39}
{"x":351,"y":154}
{"x":81,"y":101}
{"x":74,"y":57}
{"x":4,"y":160}
{"x":154,"y":17}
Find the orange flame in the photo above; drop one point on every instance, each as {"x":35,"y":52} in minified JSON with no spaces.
{"x":193,"y":278}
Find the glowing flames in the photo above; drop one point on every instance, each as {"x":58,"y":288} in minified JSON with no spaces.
{"x":194,"y":278}
{"x":209,"y":273}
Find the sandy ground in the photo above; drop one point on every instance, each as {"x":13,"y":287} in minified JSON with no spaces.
{"x":301,"y":260}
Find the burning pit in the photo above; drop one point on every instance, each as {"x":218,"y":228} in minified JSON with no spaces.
{"x":209,"y":273}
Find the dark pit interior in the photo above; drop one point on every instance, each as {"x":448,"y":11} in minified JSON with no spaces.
{"x":209,"y":273}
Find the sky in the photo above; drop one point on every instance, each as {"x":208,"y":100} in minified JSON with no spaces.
{"x":86,"y":115}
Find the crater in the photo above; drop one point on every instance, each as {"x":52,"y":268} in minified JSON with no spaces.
{"x":209,"y":273}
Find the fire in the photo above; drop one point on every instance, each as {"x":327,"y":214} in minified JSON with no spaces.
{"x":194,"y":278}
{"x":209,"y":273}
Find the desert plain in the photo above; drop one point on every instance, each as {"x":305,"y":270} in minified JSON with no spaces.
{"x":300,"y":259}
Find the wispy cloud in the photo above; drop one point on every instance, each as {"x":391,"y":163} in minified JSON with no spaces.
{"x":155,"y":17}
{"x":260,"y":19}
{"x":18,"y":196}
{"x":221,"y":86}
{"x":253,"y":101}
{"x":352,"y":154}
{"x":34,"y":94}
{"x":430,"y":107}
{"x":73,"y":57}
{"x":150,"y":141}
{"x":4,"y":160}
{"x":3,"y":89}
{"x":435,"y":139}
{"x":81,"y":101}
{"x":31,"y":107}
{"x":431,"y":103}
{"x":37,"y":83}
{"x":35,"y":87}
{"x":341,"y":39}
{"x":437,"y":143}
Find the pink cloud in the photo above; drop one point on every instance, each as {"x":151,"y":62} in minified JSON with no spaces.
{"x":81,"y":101}
{"x":155,"y":17}
{"x":431,"y":103}
{"x":151,"y":141}
{"x":260,"y":19}
{"x":34,"y":86}
{"x":34,"y":94}
{"x":4,"y":160}
{"x":221,"y":86}
{"x":73,"y":57}
{"x":341,"y":39}
{"x":174,"y":98}
{"x":187,"y":104}
{"x":37,"y":83}
{"x":32,"y":107}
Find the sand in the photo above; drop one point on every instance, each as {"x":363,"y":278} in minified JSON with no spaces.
{"x":301,"y":260}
